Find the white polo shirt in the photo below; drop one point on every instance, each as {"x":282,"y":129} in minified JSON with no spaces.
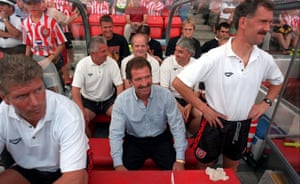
{"x":154,"y":66}
{"x":231,"y":88}
{"x":96,"y":81}
{"x":58,"y":140}
{"x":169,"y":69}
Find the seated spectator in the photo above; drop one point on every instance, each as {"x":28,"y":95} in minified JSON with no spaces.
{"x":154,"y":46}
{"x":136,"y":15}
{"x":44,"y":41}
{"x":117,"y":44}
{"x":43,"y":131}
{"x":10,"y":29}
{"x":188,"y":29}
{"x":96,"y":82}
{"x":222,"y":33}
{"x":169,"y":69}
{"x":140,"y":48}
{"x":155,"y":7}
{"x":146,"y":123}
{"x":292,"y":18}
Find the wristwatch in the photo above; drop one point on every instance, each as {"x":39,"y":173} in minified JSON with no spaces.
{"x":268,"y":101}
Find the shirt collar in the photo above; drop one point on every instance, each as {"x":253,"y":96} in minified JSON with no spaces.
{"x":229,"y":52}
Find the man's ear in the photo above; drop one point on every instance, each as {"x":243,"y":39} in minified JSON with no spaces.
{"x":4,"y":98}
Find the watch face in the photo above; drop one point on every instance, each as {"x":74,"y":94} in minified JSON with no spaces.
{"x":268,"y":101}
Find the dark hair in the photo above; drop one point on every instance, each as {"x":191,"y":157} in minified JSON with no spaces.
{"x":17,"y":69}
{"x":106,"y":18}
{"x":222,"y":24}
{"x":136,"y":63}
{"x":248,"y":8}
{"x":144,"y":29}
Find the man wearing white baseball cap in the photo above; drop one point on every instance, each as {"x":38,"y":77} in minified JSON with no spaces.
{"x":10,"y":29}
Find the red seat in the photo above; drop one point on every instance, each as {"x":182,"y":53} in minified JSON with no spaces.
{"x":100,"y":156}
{"x":118,"y":30}
{"x":94,"y":22}
{"x":101,"y":118}
{"x":176,"y":22}
{"x":119,"y":20}
{"x":156,"y":24}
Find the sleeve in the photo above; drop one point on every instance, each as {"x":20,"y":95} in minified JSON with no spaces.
{"x":78,"y":78}
{"x":273,"y":74}
{"x":116,"y":74}
{"x":117,"y":131}
{"x":165,"y":74}
{"x":177,"y":127}
{"x":123,"y":68}
{"x":72,"y":141}
{"x":155,"y":71}
{"x":60,"y":36}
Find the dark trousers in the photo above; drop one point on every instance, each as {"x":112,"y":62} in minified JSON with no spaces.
{"x":160,"y":149}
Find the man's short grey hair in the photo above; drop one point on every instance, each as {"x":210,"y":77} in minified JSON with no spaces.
{"x":95,"y":42}
{"x":17,"y":69}
{"x":187,"y":43}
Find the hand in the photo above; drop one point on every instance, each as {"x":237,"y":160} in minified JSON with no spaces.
{"x":186,"y":112}
{"x":121,"y":168}
{"x":44,"y":63}
{"x":178,"y":166}
{"x":257,"y":110}
{"x":212,"y":117}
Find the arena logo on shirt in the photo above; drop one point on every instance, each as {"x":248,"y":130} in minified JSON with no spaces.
{"x":15,"y":141}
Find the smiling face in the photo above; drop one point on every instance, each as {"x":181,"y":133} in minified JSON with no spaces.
{"x":107,"y":30}
{"x":140,"y":45}
{"x":100,"y":56}
{"x":28,"y":99}
{"x":141,"y":81}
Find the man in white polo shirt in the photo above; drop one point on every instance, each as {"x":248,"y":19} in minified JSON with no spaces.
{"x":97,"y":81}
{"x":232,"y":74}
{"x":140,"y":48}
{"x":42,"y":130}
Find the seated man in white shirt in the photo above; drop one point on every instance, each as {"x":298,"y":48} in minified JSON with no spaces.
{"x":140,"y":48}
{"x":97,"y":81}
{"x":42,"y":130}
{"x":169,"y":69}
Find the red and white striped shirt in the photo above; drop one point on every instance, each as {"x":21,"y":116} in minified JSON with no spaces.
{"x":99,"y":8}
{"x":43,"y":36}
{"x":155,"y":8}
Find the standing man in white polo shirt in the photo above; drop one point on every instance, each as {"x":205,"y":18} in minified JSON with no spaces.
{"x":42,"y":130}
{"x":232,"y":74}
{"x":97,"y":81}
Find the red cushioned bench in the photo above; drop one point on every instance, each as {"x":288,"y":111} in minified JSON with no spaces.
{"x":101,"y":160}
